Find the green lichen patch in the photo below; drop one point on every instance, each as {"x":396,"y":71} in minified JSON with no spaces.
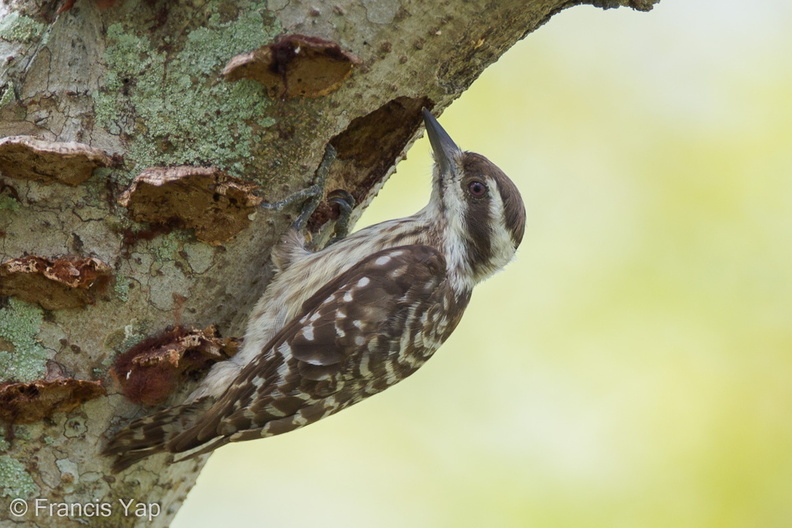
{"x":174,"y":105}
{"x":7,"y":94}
{"x":130,"y":335}
{"x":7,"y":203}
{"x":165,"y":248}
{"x":19,"y":325}
{"x":121,"y":287}
{"x":17,"y":28}
{"x":15,"y":481}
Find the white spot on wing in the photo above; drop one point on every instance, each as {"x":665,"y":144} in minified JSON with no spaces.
{"x":381,"y":261}
{"x":390,"y":375}
{"x":364,"y":281}
{"x":364,"y":366}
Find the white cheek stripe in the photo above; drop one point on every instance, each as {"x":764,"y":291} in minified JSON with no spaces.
{"x":502,"y":245}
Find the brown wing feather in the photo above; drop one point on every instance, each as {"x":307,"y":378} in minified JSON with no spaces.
{"x":315,"y":364}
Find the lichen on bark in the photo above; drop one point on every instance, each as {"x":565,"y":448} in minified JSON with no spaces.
{"x":15,"y":481}
{"x":25,"y":358}
{"x":170,"y":99}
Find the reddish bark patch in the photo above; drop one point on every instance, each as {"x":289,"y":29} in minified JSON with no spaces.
{"x":205,"y":199}
{"x":151,"y":370}
{"x":49,"y":161}
{"x":65,"y":282}
{"x":24,"y":403}
{"x":295,"y":66}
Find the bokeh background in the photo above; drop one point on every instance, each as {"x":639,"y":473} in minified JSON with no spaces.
{"x":632,"y":367}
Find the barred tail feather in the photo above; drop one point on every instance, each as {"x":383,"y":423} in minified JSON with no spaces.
{"x":153,"y":434}
{"x":202,"y":449}
{"x":132,"y":457}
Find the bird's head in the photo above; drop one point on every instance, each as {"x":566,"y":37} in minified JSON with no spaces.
{"x":483,"y":212}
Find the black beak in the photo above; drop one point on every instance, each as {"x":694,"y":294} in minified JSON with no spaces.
{"x":445,"y":150}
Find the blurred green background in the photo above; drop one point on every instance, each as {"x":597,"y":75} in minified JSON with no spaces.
{"x":631,"y":367}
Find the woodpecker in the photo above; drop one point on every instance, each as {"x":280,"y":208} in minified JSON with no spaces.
{"x":341,"y":324}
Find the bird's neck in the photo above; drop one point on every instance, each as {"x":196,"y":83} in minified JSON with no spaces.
{"x":444,"y":231}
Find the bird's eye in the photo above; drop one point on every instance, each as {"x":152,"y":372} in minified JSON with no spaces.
{"x":477,"y":188}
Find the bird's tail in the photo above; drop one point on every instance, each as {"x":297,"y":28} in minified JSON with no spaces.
{"x":153,"y":434}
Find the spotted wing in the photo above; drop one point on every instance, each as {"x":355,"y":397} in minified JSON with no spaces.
{"x":352,"y":340}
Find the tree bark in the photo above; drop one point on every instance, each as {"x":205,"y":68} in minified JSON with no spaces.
{"x":137,"y":138}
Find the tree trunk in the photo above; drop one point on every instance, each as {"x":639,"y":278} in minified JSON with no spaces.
{"x":137,"y":139}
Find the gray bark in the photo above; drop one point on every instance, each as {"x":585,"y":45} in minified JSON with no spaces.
{"x":139,"y":85}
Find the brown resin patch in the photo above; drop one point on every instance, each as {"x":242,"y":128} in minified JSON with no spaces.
{"x":49,"y":161}
{"x":65,"y":282}
{"x":295,"y":66}
{"x":206,"y":199}
{"x":24,"y":403}
{"x":151,"y":370}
